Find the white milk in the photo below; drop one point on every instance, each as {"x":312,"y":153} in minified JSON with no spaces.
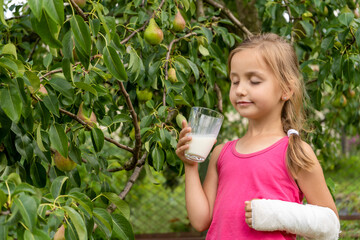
{"x":200,"y":147}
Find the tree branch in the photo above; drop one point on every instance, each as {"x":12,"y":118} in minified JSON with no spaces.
{"x":231,"y":16}
{"x":290,"y":17}
{"x":199,"y":9}
{"x":33,"y":49}
{"x":78,"y":10}
{"x":136,"y":153}
{"x":219,"y":97}
{"x":73,"y":116}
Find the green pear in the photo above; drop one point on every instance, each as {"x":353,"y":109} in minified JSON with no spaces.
{"x":172,"y":75}
{"x":62,"y":163}
{"x":179,"y":22}
{"x":144,"y":95}
{"x":80,"y":3}
{"x":60,"y":233}
{"x":89,"y":119}
{"x":153,"y":34}
{"x":179,"y":119}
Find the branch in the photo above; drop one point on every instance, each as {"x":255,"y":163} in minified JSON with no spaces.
{"x":199,"y":9}
{"x":73,"y":116}
{"x":231,"y":16}
{"x":33,"y":49}
{"x":143,"y":26}
{"x":78,"y":9}
{"x":168,"y":58}
{"x":219,"y":97}
{"x":290,"y":17}
{"x":16,"y":17}
{"x":131,"y":164}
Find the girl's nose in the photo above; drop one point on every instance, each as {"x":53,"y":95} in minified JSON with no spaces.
{"x":241,"y":89}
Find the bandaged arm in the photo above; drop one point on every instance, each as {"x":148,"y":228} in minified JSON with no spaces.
{"x":308,"y":220}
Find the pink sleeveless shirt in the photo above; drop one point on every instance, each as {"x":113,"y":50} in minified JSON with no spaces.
{"x":243,"y":177}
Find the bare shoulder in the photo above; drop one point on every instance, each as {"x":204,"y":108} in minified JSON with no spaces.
{"x":308,"y":150}
{"x":216,"y":153}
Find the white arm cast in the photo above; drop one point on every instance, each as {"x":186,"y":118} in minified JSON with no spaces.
{"x":313,"y":222}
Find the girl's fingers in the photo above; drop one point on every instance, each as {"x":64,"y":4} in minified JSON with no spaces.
{"x":184,"y":124}
{"x":249,"y":222}
{"x":248,"y":206}
{"x":183,"y":141}
{"x":184,"y":131}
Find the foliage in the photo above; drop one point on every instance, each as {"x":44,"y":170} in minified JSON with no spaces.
{"x":57,"y":58}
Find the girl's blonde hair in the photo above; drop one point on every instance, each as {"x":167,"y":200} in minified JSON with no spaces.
{"x":281,"y":58}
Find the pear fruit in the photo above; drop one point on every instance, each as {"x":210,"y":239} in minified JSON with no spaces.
{"x":89,"y":119}
{"x":153,"y":34}
{"x":60,"y":233}
{"x":179,"y":119}
{"x":144,"y":95}
{"x":172,"y":75}
{"x":62,"y":163}
{"x":179,"y":22}
{"x":80,"y":3}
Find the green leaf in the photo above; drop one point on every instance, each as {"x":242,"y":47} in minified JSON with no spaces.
{"x":10,"y":102}
{"x":119,"y":203}
{"x":47,"y":29}
{"x":9,"y":49}
{"x":97,"y":138}
{"x":36,"y":8}
{"x":24,"y":146}
{"x":59,"y":139}
{"x":114,"y":63}
{"x":95,"y":26}
{"x":122,"y":228}
{"x":149,"y":174}
{"x":208,"y":34}
{"x":3,"y":197}
{"x":38,"y":174}
{"x":86,"y":87}
{"x":194,"y":68}
{"x":78,"y":222}
{"x":24,"y":188}
{"x":158,"y":158}
{"x":68,"y":45}
{"x":60,"y":84}
{"x":55,"y":9}
{"x":47,"y":60}
{"x":8,"y":64}
{"x":83,"y":200}
{"x":39,"y":139}
{"x":28,"y":210}
{"x":81,"y":33}
{"x":33,"y":79}
{"x":36,"y":234}
{"x":2,"y":19}
{"x":327,"y":43}
{"x":346,"y":18}
{"x":56,"y":186}
{"x":52,"y":104}
{"x":103,"y":220}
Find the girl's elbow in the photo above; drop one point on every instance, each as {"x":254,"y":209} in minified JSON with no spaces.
{"x":201,"y":226}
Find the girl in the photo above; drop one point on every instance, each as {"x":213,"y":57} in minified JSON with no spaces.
{"x":270,"y":161}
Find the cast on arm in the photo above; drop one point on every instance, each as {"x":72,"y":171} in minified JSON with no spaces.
{"x":308,"y":220}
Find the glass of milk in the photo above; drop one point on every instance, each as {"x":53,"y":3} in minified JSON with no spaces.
{"x":205,"y":126}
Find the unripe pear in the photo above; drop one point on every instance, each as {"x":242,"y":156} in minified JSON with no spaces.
{"x":172,"y":75}
{"x":153,"y":34}
{"x":179,"y":119}
{"x":80,"y":3}
{"x":179,"y":22}
{"x":144,"y":95}
{"x":90,"y":120}
{"x":62,"y":163}
{"x":60,"y":233}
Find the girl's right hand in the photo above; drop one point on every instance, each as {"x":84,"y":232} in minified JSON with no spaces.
{"x":183,"y":145}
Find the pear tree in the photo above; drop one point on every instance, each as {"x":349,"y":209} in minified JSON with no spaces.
{"x":93,"y":95}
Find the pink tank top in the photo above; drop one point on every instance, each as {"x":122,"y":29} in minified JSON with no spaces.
{"x":243,"y":177}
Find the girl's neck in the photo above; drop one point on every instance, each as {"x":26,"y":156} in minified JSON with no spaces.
{"x":264,"y":128}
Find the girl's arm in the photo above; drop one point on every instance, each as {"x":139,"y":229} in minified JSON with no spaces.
{"x":312,"y":183}
{"x":199,"y":199}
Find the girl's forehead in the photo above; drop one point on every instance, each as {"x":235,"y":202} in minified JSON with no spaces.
{"x":249,"y":60}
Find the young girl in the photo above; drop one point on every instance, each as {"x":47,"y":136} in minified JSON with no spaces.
{"x":269,"y":162}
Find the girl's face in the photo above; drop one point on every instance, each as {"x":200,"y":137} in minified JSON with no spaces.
{"x":255,"y":92}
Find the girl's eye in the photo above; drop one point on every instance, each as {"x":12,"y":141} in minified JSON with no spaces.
{"x":254,"y":82}
{"x":235,"y":83}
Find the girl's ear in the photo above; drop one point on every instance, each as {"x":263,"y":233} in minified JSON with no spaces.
{"x":287,"y":95}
